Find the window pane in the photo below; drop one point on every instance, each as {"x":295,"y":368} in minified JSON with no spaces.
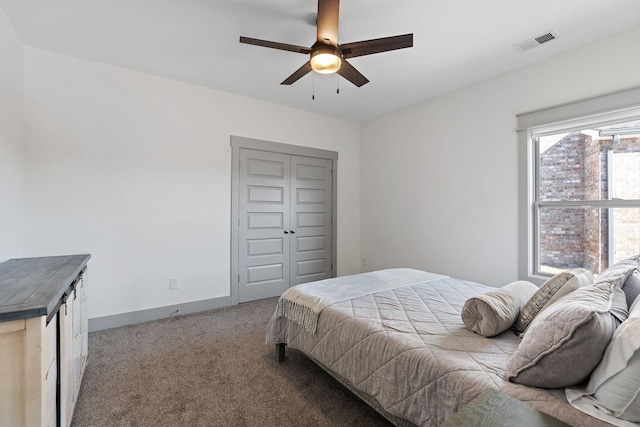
{"x":590,"y":164}
{"x":591,"y":238}
{"x":626,"y":231}
{"x":625,"y":171}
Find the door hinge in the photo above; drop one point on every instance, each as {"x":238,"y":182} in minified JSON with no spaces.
{"x":238,"y":278}
{"x":331,"y":220}
{"x":332,"y":173}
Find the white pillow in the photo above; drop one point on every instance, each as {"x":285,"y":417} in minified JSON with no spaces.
{"x":613,"y":392}
{"x":494,"y":312}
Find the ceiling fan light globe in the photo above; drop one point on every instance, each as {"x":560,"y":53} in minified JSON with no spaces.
{"x":326,"y":61}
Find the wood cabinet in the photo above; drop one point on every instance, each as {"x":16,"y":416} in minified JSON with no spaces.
{"x":43,"y":339}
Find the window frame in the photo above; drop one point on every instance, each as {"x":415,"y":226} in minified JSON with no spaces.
{"x":591,"y":112}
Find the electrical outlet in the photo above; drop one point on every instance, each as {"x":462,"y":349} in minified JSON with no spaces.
{"x":365,"y":260}
{"x":173,"y":283}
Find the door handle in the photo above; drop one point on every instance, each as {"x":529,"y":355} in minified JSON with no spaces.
{"x":286,"y":231}
{"x":292,"y":231}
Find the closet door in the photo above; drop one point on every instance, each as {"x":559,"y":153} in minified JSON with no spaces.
{"x":264,"y":216}
{"x":311,"y":211}
{"x":284,"y":222}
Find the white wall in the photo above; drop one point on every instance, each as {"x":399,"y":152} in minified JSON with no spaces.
{"x":11,"y":162}
{"x":439,"y":180}
{"x":136,"y":170}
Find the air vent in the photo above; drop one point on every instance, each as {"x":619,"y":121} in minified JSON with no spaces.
{"x":535,"y":41}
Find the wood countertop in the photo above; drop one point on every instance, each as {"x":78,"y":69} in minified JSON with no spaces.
{"x":31,"y":287}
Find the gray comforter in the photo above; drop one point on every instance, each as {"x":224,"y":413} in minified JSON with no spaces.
{"x":408,"y":351}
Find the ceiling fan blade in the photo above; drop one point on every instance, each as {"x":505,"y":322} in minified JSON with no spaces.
{"x":275,"y":45}
{"x":300,"y":72}
{"x":328,"y":11}
{"x":350,"y":73}
{"x":367,"y":47}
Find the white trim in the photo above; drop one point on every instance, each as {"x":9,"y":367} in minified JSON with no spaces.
{"x":625,"y":102}
{"x":588,"y":122}
{"x":613,"y":203}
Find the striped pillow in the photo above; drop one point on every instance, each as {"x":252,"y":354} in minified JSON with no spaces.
{"x":553,"y":289}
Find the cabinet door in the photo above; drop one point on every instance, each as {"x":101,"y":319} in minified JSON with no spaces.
{"x":67,"y":352}
{"x":73,"y":349}
{"x":50,"y":369}
{"x":79,"y":333}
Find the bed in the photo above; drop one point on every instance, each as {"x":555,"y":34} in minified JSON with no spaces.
{"x":402,"y":347}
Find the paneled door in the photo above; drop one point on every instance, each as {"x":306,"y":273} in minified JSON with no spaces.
{"x":284,"y":222}
{"x":310,"y":235}
{"x":264,"y":199}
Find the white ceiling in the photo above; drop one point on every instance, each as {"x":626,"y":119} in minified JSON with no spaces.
{"x":456,"y":42}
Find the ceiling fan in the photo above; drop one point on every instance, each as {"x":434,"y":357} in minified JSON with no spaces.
{"x":327,"y":56}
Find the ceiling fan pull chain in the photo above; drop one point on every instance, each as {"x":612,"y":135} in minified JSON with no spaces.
{"x":313,"y":86}
{"x":337,"y":84}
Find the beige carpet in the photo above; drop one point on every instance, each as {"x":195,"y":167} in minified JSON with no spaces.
{"x":209,"y":369}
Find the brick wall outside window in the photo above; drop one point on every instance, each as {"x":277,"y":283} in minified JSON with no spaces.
{"x":575,"y":168}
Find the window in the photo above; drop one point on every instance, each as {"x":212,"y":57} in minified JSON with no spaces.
{"x":580,"y":188}
{"x":587,"y":200}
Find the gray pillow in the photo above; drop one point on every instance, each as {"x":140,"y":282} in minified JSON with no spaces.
{"x":552,"y":290}
{"x":631,"y":287}
{"x":494,"y":312}
{"x":565,"y":343}
{"x":629,"y":269}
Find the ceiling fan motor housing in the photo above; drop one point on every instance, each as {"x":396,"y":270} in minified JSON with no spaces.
{"x":325,"y":58}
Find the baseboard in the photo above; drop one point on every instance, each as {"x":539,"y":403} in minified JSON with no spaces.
{"x":134,"y":317}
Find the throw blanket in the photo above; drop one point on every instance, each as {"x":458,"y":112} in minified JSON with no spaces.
{"x":302,"y":304}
